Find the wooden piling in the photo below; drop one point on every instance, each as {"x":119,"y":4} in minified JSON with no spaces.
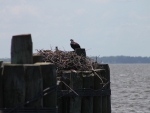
{"x":107,"y":76}
{"x":76,"y":83}
{"x":106,"y":98}
{"x":1,"y":62}
{"x":37,"y":58}
{"x":65,"y":100}
{"x":1,"y":90}
{"x":72,"y":80}
{"x":34,"y":84}
{"x":97,"y":101}
{"x":88,"y":83}
{"x":49,"y":80}
{"x":80,"y":51}
{"x":14,"y":85}
{"x":21,"y":49}
{"x":59,"y":99}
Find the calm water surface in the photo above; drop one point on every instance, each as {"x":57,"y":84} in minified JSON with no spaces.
{"x":130,"y":85}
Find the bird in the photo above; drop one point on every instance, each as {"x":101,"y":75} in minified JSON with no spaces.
{"x":74,"y":45}
{"x":57,"y":50}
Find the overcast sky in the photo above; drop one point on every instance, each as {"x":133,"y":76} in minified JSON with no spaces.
{"x":102,"y":27}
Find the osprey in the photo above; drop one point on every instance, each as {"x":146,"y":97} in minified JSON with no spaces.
{"x":57,"y":50}
{"x":74,"y":45}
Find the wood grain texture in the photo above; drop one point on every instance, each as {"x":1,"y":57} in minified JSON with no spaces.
{"x":49,"y":80}
{"x":80,"y":52}
{"x":76,"y":83}
{"x":34,"y":84}
{"x":21,"y":49}
{"x":14,"y":85}
{"x":1,"y":89}
{"x":87,"y":102}
{"x":97,"y":101}
{"x":37,"y":58}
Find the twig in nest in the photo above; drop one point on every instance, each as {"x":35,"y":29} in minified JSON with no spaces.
{"x":96,"y":73}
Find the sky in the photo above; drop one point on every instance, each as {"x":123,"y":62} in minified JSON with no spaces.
{"x":102,"y":27}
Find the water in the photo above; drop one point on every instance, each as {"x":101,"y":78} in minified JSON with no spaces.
{"x":130,"y":85}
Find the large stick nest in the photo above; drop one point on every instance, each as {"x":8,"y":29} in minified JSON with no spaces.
{"x":67,"y":60}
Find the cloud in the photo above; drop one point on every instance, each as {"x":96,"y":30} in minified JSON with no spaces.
{"x":100,"y":1}
{"x":17,"y":15}
{"x":80,"y":11}
{"x":109,"y":14}
{"x":16,"y":10}
{"x":108,"y":1}
{"x":140,"y":17}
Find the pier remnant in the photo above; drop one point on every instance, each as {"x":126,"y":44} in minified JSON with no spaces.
{"x":14,"y":85}
{"x":49,"y":82}
{"x":21,"y":49}
{"x":1,"y":89}
{"x":34,"y":84}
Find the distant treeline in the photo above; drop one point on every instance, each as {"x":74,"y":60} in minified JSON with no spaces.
{"x":111,"y":59}
{"x":122,"y":59}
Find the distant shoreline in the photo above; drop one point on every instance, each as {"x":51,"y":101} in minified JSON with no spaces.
{"x":121,"y":59}
{"x":111,"y":59}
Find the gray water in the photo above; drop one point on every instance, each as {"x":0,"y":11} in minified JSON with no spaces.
{"x":130,"y":85}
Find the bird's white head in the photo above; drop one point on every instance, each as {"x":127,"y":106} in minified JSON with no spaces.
{"x":71,"y":40}
{"x":56,"y":47}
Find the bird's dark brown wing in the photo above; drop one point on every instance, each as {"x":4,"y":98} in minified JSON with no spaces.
{"x":75,"y":45}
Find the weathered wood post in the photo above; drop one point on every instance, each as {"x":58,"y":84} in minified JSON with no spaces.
{"x":21,"y":49}
{"x":1,"y":62}
{"x":107,"y":76}
{"x":37,"y":58}
{"x":14,"y":85}
{"x":85,"y":101}
{"x":97,"y":102}
{"x":106,"y":98}
{"x":59,"y":99}
{"x":76,"y":82}
{"x":88,"y":83}
{"x":64,"y":102}
{"x":1,"y":91}
{"x":49,"y":81}
{"x":34,"y":84}
{"x":80,"y":52}
{"x":73,"y":80}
